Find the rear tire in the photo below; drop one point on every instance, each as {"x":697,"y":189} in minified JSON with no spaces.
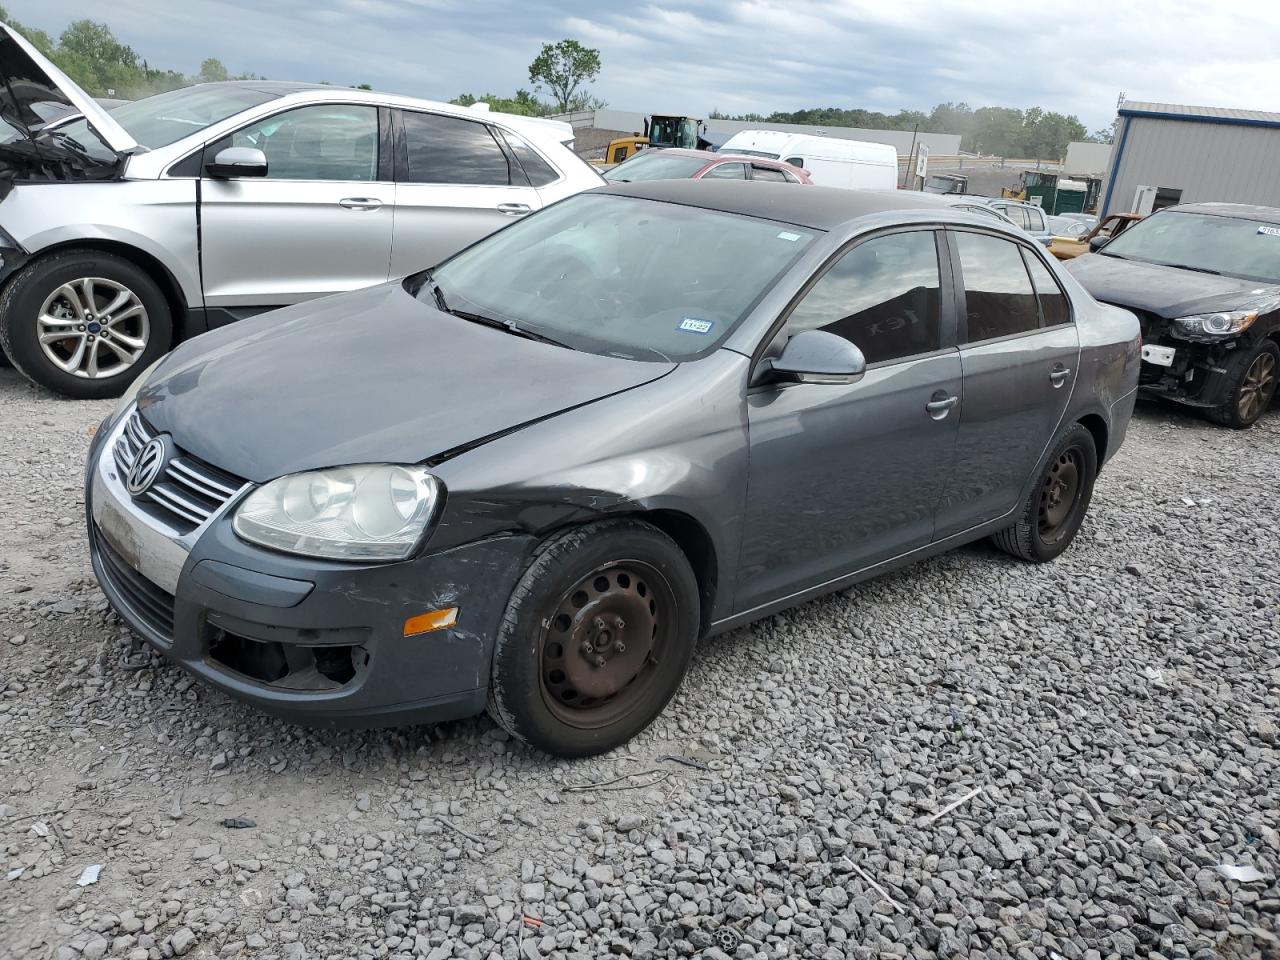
{"x":115,"y":318}
{"x":1055,"y":509}
{"x":597,"y":636}
{"x":1254,"y":375}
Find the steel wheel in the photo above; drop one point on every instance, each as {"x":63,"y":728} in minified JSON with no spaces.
{"x":1257,"y":388}
{"x":1060,"y":493}
{"x":93,"y":328}
{"x":602,"y":642}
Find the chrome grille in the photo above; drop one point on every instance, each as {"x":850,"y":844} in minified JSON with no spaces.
{"x":189,"y":492}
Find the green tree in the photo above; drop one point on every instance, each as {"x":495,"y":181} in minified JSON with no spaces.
{"x":212,"y":71}
{"x":523,"y":103}
{"x":563,"y":68}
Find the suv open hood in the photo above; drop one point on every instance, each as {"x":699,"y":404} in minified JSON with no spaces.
{"x":34,"y":89}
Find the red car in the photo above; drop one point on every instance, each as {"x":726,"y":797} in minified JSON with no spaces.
{"x":678,"y":164}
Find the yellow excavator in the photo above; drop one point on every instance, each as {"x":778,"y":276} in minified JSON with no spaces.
{"x":659,"y":131}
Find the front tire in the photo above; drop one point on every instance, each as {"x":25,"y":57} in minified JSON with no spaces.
{"x":1253,"y":376}
{"x":1052,"y":514}
{"x":84,"y":323}
{"x":597,"y":636}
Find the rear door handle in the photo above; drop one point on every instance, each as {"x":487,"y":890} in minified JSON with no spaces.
{"x":1058,"y":375}
{"x":940,"y":405}
{"x":360,"y":203}
{"x":514,"y":209}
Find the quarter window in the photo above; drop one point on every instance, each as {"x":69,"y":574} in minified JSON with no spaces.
{"x":882,"y":296}
{"x":539,"y":172}
{"x":320,"y":142}
{"x":1053,"y":302}
{"x":726,"y":171}
{"x":452,"y":150}
{"x":999,"y":299}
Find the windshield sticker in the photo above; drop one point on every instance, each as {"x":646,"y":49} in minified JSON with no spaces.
{"x":792,"y":237}
{"x":1270,"y":231}
{"x":694,"y":325}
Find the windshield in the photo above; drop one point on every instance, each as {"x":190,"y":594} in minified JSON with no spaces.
{"x":941,"y":185}
{"x":1229,"y":245}
{"x":168,"y":117}
{"x":657,"y":165}
{"x":621,"y":276}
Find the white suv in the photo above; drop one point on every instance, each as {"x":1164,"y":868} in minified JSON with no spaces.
{"x":123,"y":233}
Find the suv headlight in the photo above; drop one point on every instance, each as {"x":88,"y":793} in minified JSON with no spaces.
{"x":1215,"y":324}
{"x":372,"y":511}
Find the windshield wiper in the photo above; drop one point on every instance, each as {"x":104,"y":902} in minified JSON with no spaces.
{"x":1186,"y":266}
{"x":510,"y":326}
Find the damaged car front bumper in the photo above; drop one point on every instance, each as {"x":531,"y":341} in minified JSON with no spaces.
{"x":313,"y":641}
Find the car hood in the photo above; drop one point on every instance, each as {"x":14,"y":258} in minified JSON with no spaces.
{"x":1168,"y":292}
{"x":370,"y":376}
{"x":34,"y":92}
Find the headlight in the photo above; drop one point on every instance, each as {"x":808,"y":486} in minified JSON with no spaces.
{"x":1215,"y":324}
{"x":131,"y":394}
{"x":369,"y":512}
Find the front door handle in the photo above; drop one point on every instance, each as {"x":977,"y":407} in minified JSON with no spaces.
{"x":941,"y":404}
{"x":1058,"y":375}
{"x":514,"y":209}
{"x":360,"y":203}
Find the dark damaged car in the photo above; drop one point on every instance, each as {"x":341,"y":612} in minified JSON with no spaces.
{"x":532,"y":477}
{"x":1204,"y":280}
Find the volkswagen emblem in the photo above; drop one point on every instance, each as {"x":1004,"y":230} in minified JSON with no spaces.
{"x":147,"y":466}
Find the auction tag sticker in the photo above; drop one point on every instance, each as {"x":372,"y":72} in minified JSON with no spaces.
{"x":1270,"y":231}
{"x":694,"y":325}
{"x":788,"y":235}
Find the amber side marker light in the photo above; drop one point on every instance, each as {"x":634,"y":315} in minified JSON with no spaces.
{"x":435,"y":620}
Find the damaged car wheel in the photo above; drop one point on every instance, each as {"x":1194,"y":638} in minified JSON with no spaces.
{"x":1055,"y":509}
{"x":1254,"y":375}
{"x":596,"y":638}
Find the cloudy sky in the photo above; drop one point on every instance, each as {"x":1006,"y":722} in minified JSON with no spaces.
{"x":692,"y":56}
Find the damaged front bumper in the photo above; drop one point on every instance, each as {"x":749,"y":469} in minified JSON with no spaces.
{"x":312,"y":641}
{"x":1191,"y":372}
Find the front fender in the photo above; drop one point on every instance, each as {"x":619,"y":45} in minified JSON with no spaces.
{"x":677,"y":444}
{"x":157,"y":217}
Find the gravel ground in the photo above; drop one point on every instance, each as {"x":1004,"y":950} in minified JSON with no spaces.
{"x":1115,"y":712}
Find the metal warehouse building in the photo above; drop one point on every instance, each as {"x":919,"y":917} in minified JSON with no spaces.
{"x":1165,"y":154}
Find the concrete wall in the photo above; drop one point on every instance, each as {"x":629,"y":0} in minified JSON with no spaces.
{"x":1087,"y":159}
{"x":1206,"y":160}
{"x":939,"y":144}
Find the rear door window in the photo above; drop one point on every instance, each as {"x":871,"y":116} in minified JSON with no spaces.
{"x":1017,"y":215}
{"x":726,"y":171}
{"x":1035,"y":220}
{"x":767,"y":173}
{"x":1054,"y":308}
{"x":999,"y":299}
{"x":442,"y":149}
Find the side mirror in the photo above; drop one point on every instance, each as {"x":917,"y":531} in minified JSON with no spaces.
{"x":816,"y":356}
{"x":1097,"y":243}
{"x":237,"y":162}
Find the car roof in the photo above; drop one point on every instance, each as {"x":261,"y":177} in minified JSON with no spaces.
{"x":543,"y":129}
{"x":1244,"y":211}
{"x":818,"y":208}
{"x":709,"y":155}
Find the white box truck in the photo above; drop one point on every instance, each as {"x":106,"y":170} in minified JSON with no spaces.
{"x":830,"y":161}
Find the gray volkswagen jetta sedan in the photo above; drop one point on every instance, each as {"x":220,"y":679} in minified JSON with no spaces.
{"x":531,"y":478}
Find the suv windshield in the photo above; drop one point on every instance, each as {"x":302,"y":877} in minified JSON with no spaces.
{"x":620,"y":276}
{"x":168,"y":117}
{"x":656,"y":165}
{"x":1249,"y":249}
